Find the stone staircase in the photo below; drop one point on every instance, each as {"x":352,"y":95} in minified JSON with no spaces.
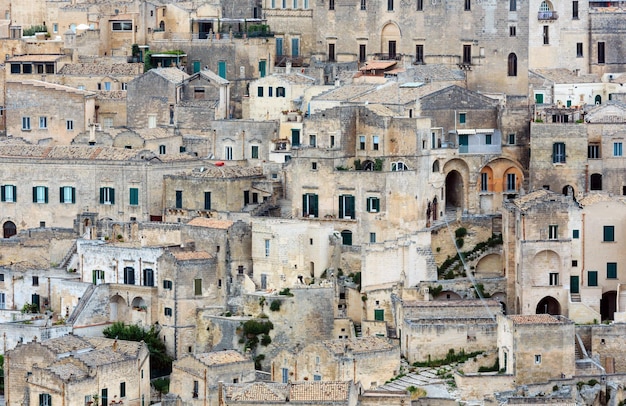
{"x":81,"y":304}
{"x":69,"y":256}
{"x":357,"y":330}
{"x":574,"y":297}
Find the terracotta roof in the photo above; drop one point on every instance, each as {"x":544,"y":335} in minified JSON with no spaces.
{"x":534,"y":319}
{"x":221,"y":357}
{"x":345,"y":92}
{"x":224,"y":172}
{"x":75,"y":152}
{"x":319,"y":391}
{"x":35,"y":58}
{"x":104,"y":69}
{"x":53,"y":86}
{"x":258,"y":391}
{"x":564,"y":76}
{"x":191,"y":255}
{"x":210,"y":223}
{"x":599,"y":197}
{"x":376,"y":65}
{"x":305,"y":392}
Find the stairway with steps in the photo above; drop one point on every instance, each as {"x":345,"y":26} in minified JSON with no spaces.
{"x":574,"y":297}
{"x":357,"y":330}
{"x":81,"y":304}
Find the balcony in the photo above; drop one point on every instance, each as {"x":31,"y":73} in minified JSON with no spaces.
{"x":388,"y":57}
{"x":547,"y":15}
{"x":296,"y":60}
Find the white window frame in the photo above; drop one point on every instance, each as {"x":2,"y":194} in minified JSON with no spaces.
{"x":152,"y":121}
{"x":69,"y":125}
{"x":43,"y":122}
{"x":267,"y":248}
{"x":228,"y":153}
{"x":26,"y":123}
{"x":399,"y":166}
{"x":40,"y":194}
{"x":553,"y":232}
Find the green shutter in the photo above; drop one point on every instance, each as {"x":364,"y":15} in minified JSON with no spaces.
{"x":304,"y":205}
{"x":609,"y":233}
{"x":73,"y":195}
{"x":350,"y":206}
{"x":313,"y":205}
{"x":45,"y":194}
{"x":2,"y":194}
{"x":575,"y":234}
{"x":341,"y":214}
{"x":295,"y":137}
{"x":221,"y":69}
{"x":379,"y":315}
{"x":377,"y":205}
{"x":61,"y":190}
{"x":592,"y":278}
{"x":539,"y":98}
{"x":34,"y":194}
{"x":101,"y":195}
{"x":134,"y":196}
{"x":611,"y":270}
{"x":112,"y":195}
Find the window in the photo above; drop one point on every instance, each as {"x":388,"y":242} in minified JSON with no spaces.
{"x":179,"y":199}
{"x":331,"y":4}
{"x":259,"y":91}
{"x":8,"y":193}
{"x":539,"y":98}
{"x":67,"y":194}
{"x":97,"y":276}
{"x":575,"y":234}
{"x":267,"y":248}
{"x":346,"y":207}
{"x":331,"y":52}
{"x":43,"y":122}
{"x":574,"y":263}
{"x":511,"y":139}
{"x":122,"y":26}
{"x":55,"y":27}
{"x":254,"y":152}
{"x":295,"y":3}
{"x":538,"y":359}
{"x":420,"y":5}
{"x":312,"y":140}
{"x":107,"y":195}
{"x":617,"y":149}
{"x":375,"y":142}
{"x":45,"y":399}
{"x":468,"y":5}
{"x":270,"y":91}
{"x":373,"y":204}
{"x":362,"y":53}
{"x":26,"y":123}
{"x":310,"y":205}
{"x":593,"y":151}
{"x":462,"y":118}
{"x":280,"y":91}
{"x":484,"y":182}
{"x":40,"y":194}
{"x":162,"y":149}
{"x":592,"y":278}
{"x":467,"y":54}
{"x":363,"y":4}
{"x":553,"y":233}
{"x":167,"y":284}
{"x":487,"y":139}
{"x":346,"y":237}
{"x":609,"y":234}
{"x":197,"y":287}
{"x":575,"y":9}
{"x":512,"y":5}
{"x":372,"y":238}
{"x":546,"y":35}
{"x":558,"y":153}
{"x":27,"y":68}
{"x":511,"y":185}
{"x":398,"y":166}
{"x":122,"y":389}
{"x":228,"y":153}
{"x":129,"y":275}
{"x":332,"y":141}
{"x":35,"y":280}
{"x":512,"y":66}
{"x":361,"y":142}
{"x":554,"y":279}
{"x":167,"y":311}
{"x":512,"y":31}
{"x":611,"y":270}
{"x":600,"y":52}
{"x":207,"y":200}
{"x":196,"y":387}
{"x":389,"y":5}
{"x":133,"y":197}
{"x":313,"y":166}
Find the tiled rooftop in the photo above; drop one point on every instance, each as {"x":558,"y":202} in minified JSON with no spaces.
{"x":54,"y":86}
{"x":35,"y":58}
{"x":346,"y":92}
{"x":319,"y":391}
{"x":221,"y":357}
{"x":102,"y":69}
{"x":257,"y":391}
{"x":599,"y":197}
{"x":451,"y":303}
{"x":69,"y":370}
{"x":66,"y":344}
{"x":394,"y":93}
{"x":358,"y":345}
{"x":82,"y":152}
{"x":534,"y":319}
{"x":437,"y":73}
{"x":225,"y":172}
{"x":210,"y":223}
{"x":559,"y":76}
{"x":174,"y":75}
{"x":326,"y":392}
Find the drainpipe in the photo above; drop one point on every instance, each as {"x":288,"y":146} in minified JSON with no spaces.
{"x":206,"y":392}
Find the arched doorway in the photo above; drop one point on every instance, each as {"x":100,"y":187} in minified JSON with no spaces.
{"x":598,"y":99}
{"x":568,"y":190}
{"x":595,"y":181}
{"x":608,"y":305}
{"x":346,"y":237}
{"x":9,"y":229}
{"x":548,"y":305}
{"x":367,"y":166}
{"x":454,"y":190}
{"x":117,"y":304}
{"x":390,"y":40}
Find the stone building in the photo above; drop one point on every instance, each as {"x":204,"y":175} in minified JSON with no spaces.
{"x":48,"y":113}
{"x":367,"y":361}
{"x":429,"y":330}
{"x":299,"y":393}
{"x":536,"y":348}
{"x":196,"y":378}
{"x":72,"y":370}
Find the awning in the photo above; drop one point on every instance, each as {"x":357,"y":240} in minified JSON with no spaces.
{"x":485,"y":131}
{"x":466,"y":132}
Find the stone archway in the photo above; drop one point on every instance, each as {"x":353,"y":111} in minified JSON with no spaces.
{"x":454,"y":190}
{"x":390,"y":40}
{"x":9,"y":229}
{"x":548,"y":305}
{"x":117,"y":306}
{"x":608,"y":305}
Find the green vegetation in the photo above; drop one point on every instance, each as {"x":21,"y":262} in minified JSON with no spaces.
{"x":460,"y":232}
{"x":275,"y":306}
{"x":450,"y":358}
{"x":493,"y":241}
{"x":435,"y":290}
{"x":494,"y":368}
{"x":252,"y":329}
{"x":147,"y":61}
{"x":257,"y":361}
{"x":30,"y":31}
{"x":378,"y":164}
{"x":30,"y":308}
{"x":286,"y":292}
{"x":480,"y":291}
{"x":161,"y":385}
{"x":160,"y":362}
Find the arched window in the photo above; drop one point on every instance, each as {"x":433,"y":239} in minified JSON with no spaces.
{"x":398,"y":166}
{"x":436,"y":166}
{"x":598,"y":99}
{"x":512,"y":64}
{"x":545,"y":6}
{"x":162,"y":25}
{"x":596,"y":181}
{"x":346,"y":237}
